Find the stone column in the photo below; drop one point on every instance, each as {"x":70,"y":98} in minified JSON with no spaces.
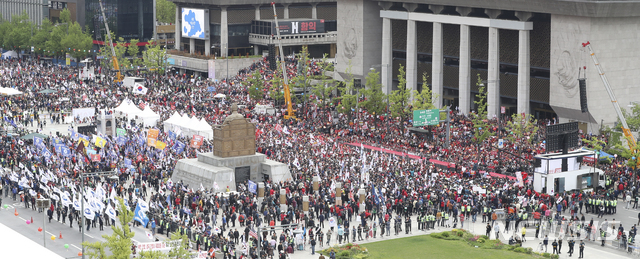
{"x":260,"y":192}
{"x":316,"y":184}
{"x":224,"y":32}
{"x":524,"y":70}
{"x":412,"y":56}
{"x":314,"y":11}
{"x":437,"y":65}
{"x":464,"y":78}
{"x":338,"y":194}
{"x":178,"y":34}
{"x":305,"y":204}
{"x":257,"y":15}
{"x":207,"y":46}
{"x":387,"y":57}
{"x":192,"y":45}
{"x":286,"y":11}
{"x":493,"y":88}
{"x":283,"y":200}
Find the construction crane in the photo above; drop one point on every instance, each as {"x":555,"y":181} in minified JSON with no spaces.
{"x":287,"y":93}
{"x":625,"y":127}
{"x":116,"y":66}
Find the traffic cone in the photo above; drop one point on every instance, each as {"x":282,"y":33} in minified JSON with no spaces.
{"x":31,"y":219}
{"x":15,"y":212}
{"x":60,"y":235}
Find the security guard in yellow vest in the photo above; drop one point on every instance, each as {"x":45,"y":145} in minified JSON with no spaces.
{"x":484,"y":213}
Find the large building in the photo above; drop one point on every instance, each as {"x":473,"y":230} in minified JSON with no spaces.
{"x":529,"y":54}
{"x":38,"y":10}
{"x":129,"y":19}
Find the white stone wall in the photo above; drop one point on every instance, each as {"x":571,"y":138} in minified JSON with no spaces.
{"x":359,"y":36}
{"x":615,"y":42}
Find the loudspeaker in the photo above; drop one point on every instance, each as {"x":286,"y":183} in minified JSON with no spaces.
{"x":583,"y":94}
{"x":272,"y":57}
{"x":579,"y":159}
{"x":537,"y":163}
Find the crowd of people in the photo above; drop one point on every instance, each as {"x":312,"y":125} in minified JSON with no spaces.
{"x":468,"y":180}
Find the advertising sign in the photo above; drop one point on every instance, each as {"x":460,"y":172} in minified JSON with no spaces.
{"x":211,"y":69}
{"x":195,"y":23}
{"x":426,"y":117}
{"x":299,"y":27}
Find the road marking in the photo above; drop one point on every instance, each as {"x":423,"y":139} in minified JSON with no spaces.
{"x":22,"y":218}
{"x":88,"y":235}
{"x":76,"y":247}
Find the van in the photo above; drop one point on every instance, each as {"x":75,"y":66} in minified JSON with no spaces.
{"x":132,"y":81}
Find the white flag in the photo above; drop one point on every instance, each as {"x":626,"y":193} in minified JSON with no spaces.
{"x":88,"y":213}
{"x":144,"y":206}
{"x":111,"y":212}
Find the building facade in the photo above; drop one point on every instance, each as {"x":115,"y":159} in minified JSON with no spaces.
{"x":38,"y":10}
{"x":129,"y":19}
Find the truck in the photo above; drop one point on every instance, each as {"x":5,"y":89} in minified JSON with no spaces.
{"x":132,"y":81}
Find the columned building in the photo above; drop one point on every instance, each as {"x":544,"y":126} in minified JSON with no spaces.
{"x":528,"y":54}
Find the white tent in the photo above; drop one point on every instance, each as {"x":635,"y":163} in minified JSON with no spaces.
{"x":9,"y":54}
{"x":172,"y":122}
{"x":149,"y":117}
{"x":9,"y":91}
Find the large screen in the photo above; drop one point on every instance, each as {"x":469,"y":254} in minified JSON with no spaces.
{"x":195,"y":23}
{"x":300,"y":27}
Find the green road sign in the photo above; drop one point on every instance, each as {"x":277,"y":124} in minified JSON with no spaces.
{"x":426,"y":117}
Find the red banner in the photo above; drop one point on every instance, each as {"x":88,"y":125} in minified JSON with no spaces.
{"x":95,"y":158}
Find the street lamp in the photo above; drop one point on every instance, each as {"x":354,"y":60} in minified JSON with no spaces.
{"x":497,"y":82}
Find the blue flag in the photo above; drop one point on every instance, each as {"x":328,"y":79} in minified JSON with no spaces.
{"x":38,"y":142}
{"x":171,"y":135}
{"x":253,"y":187}
{"x":140,"y":216}
{"x":376,"y":199}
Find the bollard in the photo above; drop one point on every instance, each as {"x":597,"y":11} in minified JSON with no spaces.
{"x":260,"y":192}
{"x":339,"y":194}
{"x":361,"y":197}
{"x":316,"y":184}
{"x":283,"y":200}
{"x":305,"y":204}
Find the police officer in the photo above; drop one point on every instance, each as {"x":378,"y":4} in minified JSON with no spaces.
{"x":581,"y":249}
{"x":571,"y":243}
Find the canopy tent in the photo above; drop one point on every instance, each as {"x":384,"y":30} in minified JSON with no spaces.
{"x":149,"y":117}
{"x":47,"y":91}
{"x":172,"y":122}
{"x":220,"y":96}
{"x":9,"y":54}
{"x":9,"y":91}
{"x":188,"y":126}
{"x":128,"y":109}
{"x":31,"y":135}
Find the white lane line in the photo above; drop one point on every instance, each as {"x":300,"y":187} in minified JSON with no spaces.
{"x":76,"y":247}
{"x":22,"y":218}
{"x":88,"y":235}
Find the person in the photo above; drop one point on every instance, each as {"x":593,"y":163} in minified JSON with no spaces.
{"x":581,"y":249}
{"x":545,"y":242}
{"x":571,"y":243}
{"x":488,"y":229}
{"x":313,"y":246}
{"x":560,"y":246}
{"x":555,"y":246}
{"x":524,"y":232}
{"x":497,"y":230}
{"x":537,"y":229}
{"x":321,"y":257}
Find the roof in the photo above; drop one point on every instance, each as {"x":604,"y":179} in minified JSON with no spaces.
{"x":573,"y":114}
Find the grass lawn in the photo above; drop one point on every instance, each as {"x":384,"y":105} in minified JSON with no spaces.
{"x":429,"y":247}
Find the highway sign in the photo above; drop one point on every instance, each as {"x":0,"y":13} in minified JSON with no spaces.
{"x":426,"y":117}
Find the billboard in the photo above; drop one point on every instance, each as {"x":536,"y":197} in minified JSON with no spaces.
{"x":195,"y":23}
{"x":300,"y":27}
{"x":426,"y":117}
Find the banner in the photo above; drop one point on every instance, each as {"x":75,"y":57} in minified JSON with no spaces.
{"x":520,"y":182}
{"x":95,"y":157}
{"x":151,"y":142}
{"x":100,"y":142}
{"x":121,"y":132}
{"x":196,"y":141}
{"x":253,"y":187}
{"x":153,"y":133}
{"x":160,"y":145}
{"x":211,"y":65}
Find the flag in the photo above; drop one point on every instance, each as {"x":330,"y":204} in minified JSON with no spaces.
{"x":253,"y":233}
{"x":139,"y":89}
{"x":140,"y":216}
{"x":38,"y":142}
{"x":252,"y":186}
{"x":80,"y":148}
{"x":376,"y":199}
{"x":100,"y":142}
{"x":88,"y":213}
{"x":112,"y":196}
{"x":171,"y":135}
{"x":144,"y":206}
{"x":160,"y":145}
{"x":111,"y":212}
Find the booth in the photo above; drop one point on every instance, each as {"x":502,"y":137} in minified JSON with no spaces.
{"x":550,"y":177}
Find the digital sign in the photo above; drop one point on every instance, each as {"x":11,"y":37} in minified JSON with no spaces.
{"x":195,"y":23}
{"x":300,"y":27}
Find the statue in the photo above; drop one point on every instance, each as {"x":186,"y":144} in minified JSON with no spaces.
{"x":235,"y":137}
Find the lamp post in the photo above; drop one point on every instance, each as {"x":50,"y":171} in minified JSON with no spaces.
{"x":497,"y":82}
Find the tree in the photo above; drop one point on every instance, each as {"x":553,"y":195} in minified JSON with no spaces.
{"x":480,"y":122}
{"x":327,"y":85}
{"x":154,"y":57}
{"x":119,"y":242}
{"x":632,"y":117}
{"x":132,"y":51}
{"x":520,"y":127}
{"x":41,"y":35}
{"x":120,"y":50}
{"x":276,"y":91}
{"x":399,"y":99}
{"x":19,"y":32}
{"x":165,"y":11}
{"x":423,"y":100}
{"x":375,"y":99}
{"x":256,"y":86}
{"x":76,"y":42}
{"x":5,"y":28}
{"x":348,"y":95}
{"x":182,"y":250}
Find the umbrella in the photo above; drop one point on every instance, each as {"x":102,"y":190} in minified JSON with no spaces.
{"x":31,"y":135}
{"x":219,"y":96}
{"x":47,"y":91}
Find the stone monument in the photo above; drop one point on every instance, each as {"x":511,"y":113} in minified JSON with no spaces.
{"x":233,"y":160}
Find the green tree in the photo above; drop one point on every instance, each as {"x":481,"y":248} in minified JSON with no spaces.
{"x":276,"y":92}
{"x":375,"y":98}
{"x":41,"y":35}
{"x":76,"y":42}
{"x":119,"y":242}
{"x":399,"y":99}
{"x":424,"y":99}
{"x":120,"y":50}
{"x":19,"y":32}
{"x":520,"y":127}
{"x":65,"y":16}
{"x":165,"y":11}
{"x":327,"y":85}
{"x":155,"y":58}
{"x":5,"y":28}
{"x":301,"y":80}
{"x":479,"y":119}
{"x":182,"y":250}
{"x":132,"y":51}
{"x":256,"y":86}
{"x":632,"y":117}
{"x":348,"y":99}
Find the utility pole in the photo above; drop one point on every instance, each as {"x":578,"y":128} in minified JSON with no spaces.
{"x":82,"y":176}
